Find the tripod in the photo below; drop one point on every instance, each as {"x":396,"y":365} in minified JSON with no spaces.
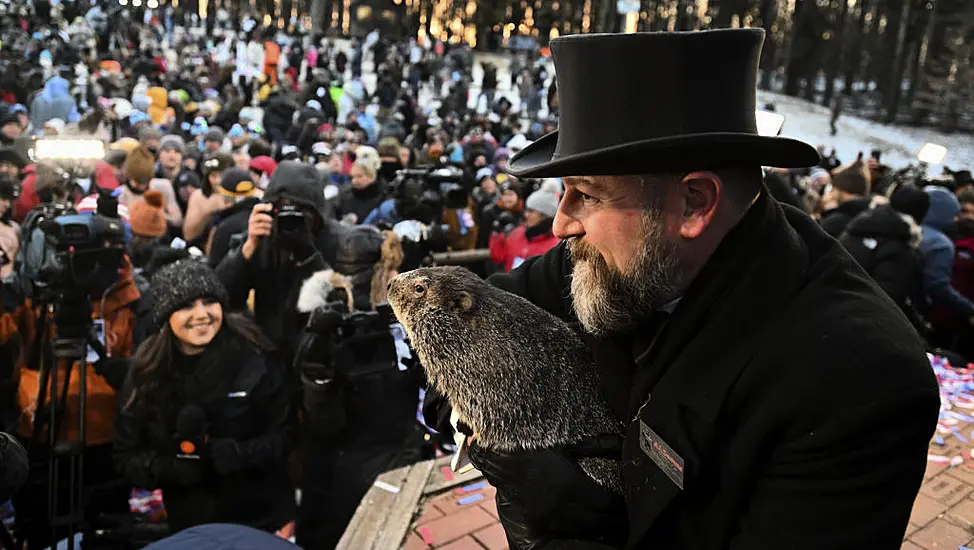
{"x":63,"y":331}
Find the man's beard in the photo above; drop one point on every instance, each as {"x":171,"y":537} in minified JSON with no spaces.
{"x":607,"y":300}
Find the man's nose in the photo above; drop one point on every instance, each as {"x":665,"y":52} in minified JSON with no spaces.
{"x":565,"y":225}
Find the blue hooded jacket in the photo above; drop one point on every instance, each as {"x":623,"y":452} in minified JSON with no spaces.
{"x":938,"y":252}
{"x":54,"y":101}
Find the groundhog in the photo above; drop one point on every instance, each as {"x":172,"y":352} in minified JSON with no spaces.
{"x":518,"y":376}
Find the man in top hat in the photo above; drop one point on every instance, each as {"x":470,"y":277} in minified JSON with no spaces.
{"x":771,"y":395}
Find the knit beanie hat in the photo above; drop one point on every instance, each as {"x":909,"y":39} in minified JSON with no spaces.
{"x":214,"y":134}
{"x":852,"y":178}
{"x":172,"y":141}
{"x":147,"y":216}
{"x":139,"y":165}
{"x":180,"y":284}
{"x":543,"y":203}
{"x":912,"y":201}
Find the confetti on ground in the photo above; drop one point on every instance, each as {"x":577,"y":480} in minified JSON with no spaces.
{"x":427,"y":537}
{"x":471,"y":498}
{"x":956,"y":397}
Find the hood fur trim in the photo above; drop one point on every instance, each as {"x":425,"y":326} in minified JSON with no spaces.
{"x":315,"y":290}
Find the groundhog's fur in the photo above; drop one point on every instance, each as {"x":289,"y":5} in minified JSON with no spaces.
{"x":517,"y":375}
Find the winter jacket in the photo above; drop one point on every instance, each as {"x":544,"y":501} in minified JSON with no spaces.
{"x":511,"y":250}
{"x":360,"y":202}
{"x":54,"y":101}
{"x":764,"y":389}
{"x":886,"y":244}
{"x":121,"y":313}
{"x":385,"y":213}
{"x":938,"y":253}
{"x":835,"y":221}
{"x":248,"y":403}
{"x":160,"y":104}
{"x":230,"y":225}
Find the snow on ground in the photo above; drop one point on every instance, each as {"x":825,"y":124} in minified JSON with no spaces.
{"x":810,"y":122}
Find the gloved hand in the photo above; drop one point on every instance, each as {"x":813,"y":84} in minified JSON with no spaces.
{"x":544,"y":496}
{"x":113,"y":370}
{"x":225,"y":455}
{"x":181,"y":471}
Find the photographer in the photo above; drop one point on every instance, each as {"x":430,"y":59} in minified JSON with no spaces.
{"x":109,"y":297}
{"x":289,"y":238}
{"x":203,"y":411}
{"x":359,"y":399}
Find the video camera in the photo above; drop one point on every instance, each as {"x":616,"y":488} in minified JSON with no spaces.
{"x":346,"y":344}
{"x":422,"y":193}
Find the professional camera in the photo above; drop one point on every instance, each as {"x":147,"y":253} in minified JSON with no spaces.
{"x":347,"y":344}
{"x":419,"y":242}
{"x":289,"y":219}
{"x":422,"y":193}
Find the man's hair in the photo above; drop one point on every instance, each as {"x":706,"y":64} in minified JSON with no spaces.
{"x":966,"y":195}
{"x":740,"y":185}
{"x":148,"y":134}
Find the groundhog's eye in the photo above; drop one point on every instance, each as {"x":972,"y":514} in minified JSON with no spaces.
{"x":419,"y":288}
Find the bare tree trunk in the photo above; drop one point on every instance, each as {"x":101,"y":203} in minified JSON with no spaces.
{"x":768,"y":13}
{"x":917,"y":70}
{"x":895,"y":85}
{"x":834,"y":48}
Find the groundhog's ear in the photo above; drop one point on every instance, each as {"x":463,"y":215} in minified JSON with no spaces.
{"x":464,"y":302}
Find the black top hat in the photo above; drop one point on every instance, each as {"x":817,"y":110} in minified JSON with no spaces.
{"x":657,"y":102}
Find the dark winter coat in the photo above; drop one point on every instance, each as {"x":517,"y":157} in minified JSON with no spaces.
{"x":763,"y":381}
{"x":887,"y":245}
{"x":835,"y":220}
{"x":232,"y":223}
{"x":360,"y":202}
{"x":249,"y":404}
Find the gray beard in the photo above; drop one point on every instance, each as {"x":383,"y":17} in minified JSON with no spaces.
{"x":607,"y":300}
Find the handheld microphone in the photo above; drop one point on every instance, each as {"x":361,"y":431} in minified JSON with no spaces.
{"x":190,"y":432}
{"x":13,"y":466}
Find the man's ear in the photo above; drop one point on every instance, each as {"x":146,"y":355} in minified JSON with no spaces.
{"x":702,"y":192}
{"x":463,"y":302}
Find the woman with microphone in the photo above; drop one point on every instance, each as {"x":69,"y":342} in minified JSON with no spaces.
{"x":204,"y":409}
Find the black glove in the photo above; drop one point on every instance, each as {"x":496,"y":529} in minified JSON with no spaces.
{"x":113,"y":370}
{"x":544,"y":496}
{"x":181,"y":471}
{"x":225,"y":455}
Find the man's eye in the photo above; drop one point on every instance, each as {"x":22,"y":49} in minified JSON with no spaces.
{"x":589,"y":199}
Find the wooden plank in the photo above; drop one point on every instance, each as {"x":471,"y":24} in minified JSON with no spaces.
{"x":372,"y":511}
{"x":438,"y":482}
{"x":401,"y":515}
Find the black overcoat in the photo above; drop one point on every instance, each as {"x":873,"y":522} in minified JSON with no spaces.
{"x":786,"y":395}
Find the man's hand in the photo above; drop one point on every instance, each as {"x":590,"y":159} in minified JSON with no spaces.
{"x":258,"y":226}
{"x":544,"y":496}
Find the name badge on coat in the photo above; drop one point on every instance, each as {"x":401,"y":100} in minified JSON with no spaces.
{"x":661,"y":454}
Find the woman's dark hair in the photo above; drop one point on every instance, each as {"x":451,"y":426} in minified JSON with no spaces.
{"x":152,"y":369}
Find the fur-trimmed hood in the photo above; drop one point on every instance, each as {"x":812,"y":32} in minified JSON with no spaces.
{"x":882,"y":222}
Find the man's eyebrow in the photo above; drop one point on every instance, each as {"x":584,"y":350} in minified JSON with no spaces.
{"x":591,"y":183}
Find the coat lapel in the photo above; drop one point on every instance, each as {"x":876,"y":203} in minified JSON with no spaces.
{"x":681,"y":382}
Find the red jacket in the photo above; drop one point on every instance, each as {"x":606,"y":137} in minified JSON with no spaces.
{"x":511,"y":250}
{"x":104,"y":177}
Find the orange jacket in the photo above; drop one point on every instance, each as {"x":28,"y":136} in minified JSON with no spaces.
{"x":100,"y":415}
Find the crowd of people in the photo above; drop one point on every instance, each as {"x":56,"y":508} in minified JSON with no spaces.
{"x":256,"y":171}
{"x":261,"y":175}
{"x":910,"y":231}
